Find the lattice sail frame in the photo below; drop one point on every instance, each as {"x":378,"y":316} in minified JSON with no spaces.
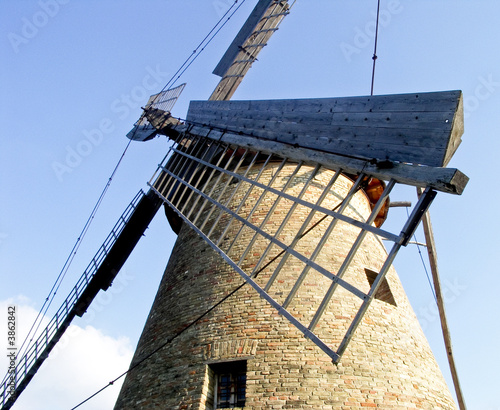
{"x":164,"y":101}
{"x":249,"y":49}
{"x":217,"y":188}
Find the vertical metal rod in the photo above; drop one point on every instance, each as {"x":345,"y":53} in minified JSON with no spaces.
{"x":254,"y":208}
{"x":243,"y":201}
{"x":431,"y":250}
{"x":217,"y":147}
{"x":223,"y":191}
{"x":230,"y":199}
{"x":350,"y":256}
{"x":271,"y":212}
{"x":374,"y":58}
{"x":323,"y":240}
{"x":214,"y":187}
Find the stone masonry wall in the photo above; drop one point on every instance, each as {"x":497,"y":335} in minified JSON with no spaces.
{"x":388,"y":363}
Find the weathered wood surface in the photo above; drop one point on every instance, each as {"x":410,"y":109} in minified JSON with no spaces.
{"x":160,"y":119}
{"x":433,"y":262}
{"x":143,"y":132}
{"x":241,"y":37}
{"x":448,"y":180}
{"x":422,"y":128}
{"x":242,"y":53}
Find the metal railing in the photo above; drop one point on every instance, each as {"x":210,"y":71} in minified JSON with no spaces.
{"x":39,"y":350}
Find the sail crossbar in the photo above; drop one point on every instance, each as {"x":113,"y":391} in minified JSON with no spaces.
{"x":245,"y":203}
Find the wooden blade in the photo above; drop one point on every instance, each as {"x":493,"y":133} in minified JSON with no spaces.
{"x":251,"y":39}
{"x":423,"y":129}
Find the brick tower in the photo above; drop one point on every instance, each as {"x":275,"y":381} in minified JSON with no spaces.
{"x":279,"y":258}
{"x":279,"y":293}
{"x":244,"y":354}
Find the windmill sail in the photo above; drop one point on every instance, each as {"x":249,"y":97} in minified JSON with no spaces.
{"x":251,"y":39}
{"x":99,"y":274}
{"x":159,"y":105}
{"x":253,"y":178}
{"x":156,"y":118}
{"x":408,"y":137}
{"x":226,"y":184}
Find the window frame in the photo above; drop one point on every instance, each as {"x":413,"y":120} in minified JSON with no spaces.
{"x":236,"y":372}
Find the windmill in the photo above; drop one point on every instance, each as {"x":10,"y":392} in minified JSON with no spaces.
{"x":253,"y":181}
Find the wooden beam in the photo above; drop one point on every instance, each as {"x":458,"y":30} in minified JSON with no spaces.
{"x":448,"y":180}
{"x":252,"y":38}
{"x":431,"y":250}
{"x":242,"y":36}
{"x":423,"y":128}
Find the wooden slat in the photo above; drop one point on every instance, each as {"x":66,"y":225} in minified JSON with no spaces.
{"x":422,"y":128}
{"x":244,"y":33}
{"x":433,"y":262}
{"x":384,"y":134}
{"x":254,"y":35}
{"x":447,"y":180}
{"x":388,"y":103}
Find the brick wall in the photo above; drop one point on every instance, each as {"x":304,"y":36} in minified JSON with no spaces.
{"x":388,"y":364}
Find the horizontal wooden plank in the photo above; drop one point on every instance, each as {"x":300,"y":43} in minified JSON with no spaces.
{"x":384,"y":132}
{"x":420,"y":128}
{"x":431,"y":120}
{"x":447,"y":180}
{"x":384,"y":103}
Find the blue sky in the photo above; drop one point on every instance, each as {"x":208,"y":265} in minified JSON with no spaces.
{"x":73,"y":79}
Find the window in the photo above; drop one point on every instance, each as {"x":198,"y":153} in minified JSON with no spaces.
{"x":228,"y":383}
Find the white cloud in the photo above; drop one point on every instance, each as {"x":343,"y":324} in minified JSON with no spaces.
{"x":84,"y":360}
